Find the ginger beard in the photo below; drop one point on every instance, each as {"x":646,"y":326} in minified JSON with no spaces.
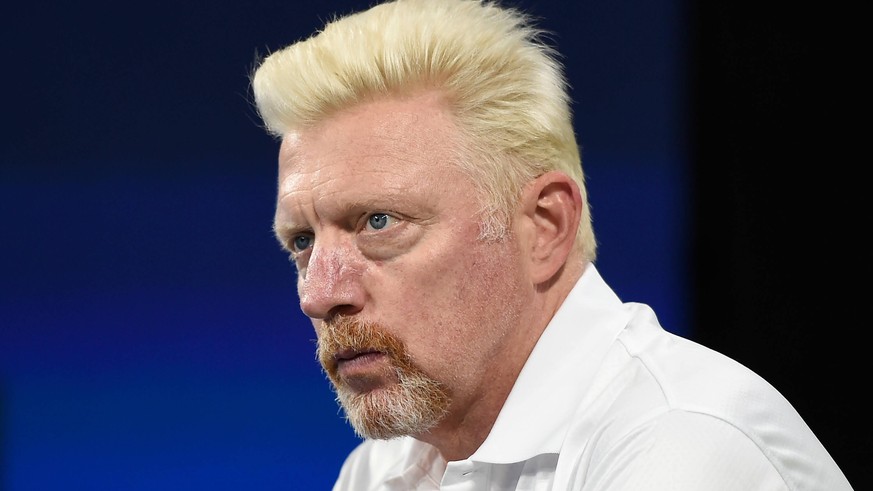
{"x":411,"y":404}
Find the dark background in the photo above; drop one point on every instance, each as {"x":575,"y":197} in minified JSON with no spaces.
{"x":149,"y":332}
{"x":780,"y":207}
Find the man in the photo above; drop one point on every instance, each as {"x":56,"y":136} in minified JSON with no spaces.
{"x":431,"y":196}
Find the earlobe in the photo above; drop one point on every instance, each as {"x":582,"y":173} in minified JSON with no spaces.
{"x":552,"y":207}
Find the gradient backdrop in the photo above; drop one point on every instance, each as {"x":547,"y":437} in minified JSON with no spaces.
{"x":149,"y":331}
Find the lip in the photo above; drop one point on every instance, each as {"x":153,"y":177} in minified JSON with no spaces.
{"x":356,"y":357}
{"x":359,"y":363}
{"x":351,"y":354}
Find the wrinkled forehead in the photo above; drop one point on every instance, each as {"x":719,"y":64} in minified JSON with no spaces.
{"x":393,"y":154}
{"x":398,"y":135}
{"x":288,"y":152}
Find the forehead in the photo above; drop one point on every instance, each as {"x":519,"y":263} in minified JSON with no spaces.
{"x":408,"y":136}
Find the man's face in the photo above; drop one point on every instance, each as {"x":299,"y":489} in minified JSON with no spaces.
{"x":414,"y":313}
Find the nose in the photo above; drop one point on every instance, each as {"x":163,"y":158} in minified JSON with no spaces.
{"x":331,"y":284}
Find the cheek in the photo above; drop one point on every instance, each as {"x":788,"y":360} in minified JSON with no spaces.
{"x":461,"y":306}
{"x":490,"y":296}
{"x":452,"y":283}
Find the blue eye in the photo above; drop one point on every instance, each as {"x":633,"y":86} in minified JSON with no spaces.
{"x":378,"y":221}
{"x":302,"y":242}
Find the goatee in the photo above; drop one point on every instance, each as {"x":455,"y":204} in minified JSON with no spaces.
{"x":412,"y":404}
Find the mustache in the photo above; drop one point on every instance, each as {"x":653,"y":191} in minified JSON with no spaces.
{"x":344,"y":334}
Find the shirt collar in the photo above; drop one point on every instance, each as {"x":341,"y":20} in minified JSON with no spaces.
{"x":557,"y":374}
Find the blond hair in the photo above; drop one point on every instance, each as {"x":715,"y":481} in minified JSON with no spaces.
{"x":504,"y":86}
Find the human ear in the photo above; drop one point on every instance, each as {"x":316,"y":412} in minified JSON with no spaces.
{"x":551,"y":208}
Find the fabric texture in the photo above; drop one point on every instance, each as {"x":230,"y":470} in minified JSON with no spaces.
{"x":609,"y":400}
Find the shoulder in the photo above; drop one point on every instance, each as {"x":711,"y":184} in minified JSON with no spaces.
{"x":681,"y":450}
{"x":669,"y":410}
{"x":682,"y":374}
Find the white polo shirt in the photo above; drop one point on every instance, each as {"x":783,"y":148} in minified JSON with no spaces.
{"x":609,"y":400}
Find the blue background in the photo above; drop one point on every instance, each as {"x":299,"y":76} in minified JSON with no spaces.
{"x":149,"y":331}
